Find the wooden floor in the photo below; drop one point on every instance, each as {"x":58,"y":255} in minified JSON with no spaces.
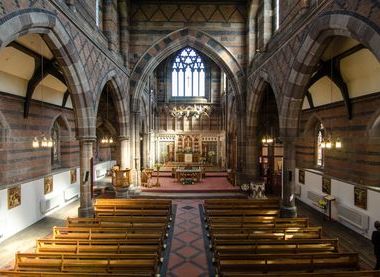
{"x":25,"y":240}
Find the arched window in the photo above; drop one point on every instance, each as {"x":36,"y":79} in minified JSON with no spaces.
{"x":55,"y":150}
{"x":319,"y":149}
{"x":188,"y":74}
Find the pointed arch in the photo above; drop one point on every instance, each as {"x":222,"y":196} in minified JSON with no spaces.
{"x":62,"y":120}
{"x":175,"y":41}
{"x":256,"y":93}
{"x":119,"y":99}
{"x":55,"y":34}
{"x":329,"y":24}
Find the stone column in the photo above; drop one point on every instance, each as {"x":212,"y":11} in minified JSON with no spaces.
{"x":124,"y":32}
{"x":288,"y":208}
{"x":125,"y":148}
{"x":135,"y":151}
{"x":268,"y":22}
{"x":86,"y":208}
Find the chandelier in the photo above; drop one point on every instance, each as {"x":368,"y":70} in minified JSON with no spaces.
{"x":329,"y":142}
{"x":189,"y":111}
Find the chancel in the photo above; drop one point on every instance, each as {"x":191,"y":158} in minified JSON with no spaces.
{"x":189,"y":138}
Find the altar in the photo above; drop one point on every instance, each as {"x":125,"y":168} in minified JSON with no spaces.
{"x":188,"y":175}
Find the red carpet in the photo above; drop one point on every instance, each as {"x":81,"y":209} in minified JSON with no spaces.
{"x":209,"y":184}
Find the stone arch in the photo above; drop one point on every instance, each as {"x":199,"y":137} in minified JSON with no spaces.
{"x":175,"y":41}
{"x":59,"y":40}
{"x":311,"y":124}
{"x":62,"y":120}
{"x":118,"y":97}
{"x":329,"y":24}
{"x":256,"y":93}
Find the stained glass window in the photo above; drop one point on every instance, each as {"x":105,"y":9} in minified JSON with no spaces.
{"x":188,"y":74}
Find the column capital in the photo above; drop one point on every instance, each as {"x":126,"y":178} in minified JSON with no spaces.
{"x":86,"y":139}
{"x":124,"y":137}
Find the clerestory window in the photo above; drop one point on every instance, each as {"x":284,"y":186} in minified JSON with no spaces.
{"x":188,"y":74}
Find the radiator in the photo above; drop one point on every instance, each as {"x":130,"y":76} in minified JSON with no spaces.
{"x":353,"y":217}
{"x":71,"y":193}
{"x":47,"y":205}
{"x":313,"y":196}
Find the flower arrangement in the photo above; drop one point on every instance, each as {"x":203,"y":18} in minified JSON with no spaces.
{"x":158,"y":165}
{"x":244,"y":187}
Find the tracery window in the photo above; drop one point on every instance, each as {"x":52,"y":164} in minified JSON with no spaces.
{"x":319,"y":148}
{"x":188,"y":74}
{"x":55,"y":150}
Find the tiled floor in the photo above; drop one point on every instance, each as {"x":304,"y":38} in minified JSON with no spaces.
{"x":25,"y":240}
{"x":188,"y":253}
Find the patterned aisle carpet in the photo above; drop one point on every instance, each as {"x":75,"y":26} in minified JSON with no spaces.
{"x":188,"y":257}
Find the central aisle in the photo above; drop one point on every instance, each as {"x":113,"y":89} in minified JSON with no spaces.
{"x":187,"y":257}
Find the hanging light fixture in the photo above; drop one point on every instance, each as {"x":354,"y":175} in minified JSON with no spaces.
{"x":329,"y":143}
{"x":267,"y":139}
{"x":43,"y":141}
{"x":105,"y":139}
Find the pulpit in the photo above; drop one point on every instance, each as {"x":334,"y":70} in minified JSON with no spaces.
{"x":120,"y":182}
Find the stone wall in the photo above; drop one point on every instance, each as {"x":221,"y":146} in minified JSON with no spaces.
{"x":19,"y":161}
{"x":152,"y":20}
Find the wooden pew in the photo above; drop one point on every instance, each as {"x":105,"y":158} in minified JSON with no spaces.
{"x":264,"y":229}
{"x":87,"y":263}
{"x":284,"y":262}
{"x":235,"y":202}
{"x":106,"y":233}
{"x":242,"y":204}
{"x":273,"y":222}
{"x":131,"y":219}
{"x":330,"y":273}
{"x":268,"y":235}
{"x":20,"y":273}
{"x":241,"y":219}
{"x":242,"y":212}
{"x":88,"y":246}
{"x":277,"y":246}
{"x":130,"y":212}
{"x":257,"y":226}
{"x":99,"y":223}
{"x":139,"y":204}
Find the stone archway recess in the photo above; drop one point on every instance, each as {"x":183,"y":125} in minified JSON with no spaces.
{"x":58,"y":39}
{"x":175,"y":41}
{"x":255,"y":95}
{"x":46,"y":23}
{"x":119,"y":99}
{"x":203,"y":43}
{"x":326,"y":26}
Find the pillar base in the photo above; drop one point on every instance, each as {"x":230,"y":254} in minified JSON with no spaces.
{"x":86,"y":212}
{"x":122,"y":192}
{"x":288,"y":212}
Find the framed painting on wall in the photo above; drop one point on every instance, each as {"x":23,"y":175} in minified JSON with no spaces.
{"x":360,"y":197}
{"x":73,"y":176}
{"x":14,"y":197}
{"x":326,"y":185}
{"x":48,"y":184}
{"x":301,"y":176}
